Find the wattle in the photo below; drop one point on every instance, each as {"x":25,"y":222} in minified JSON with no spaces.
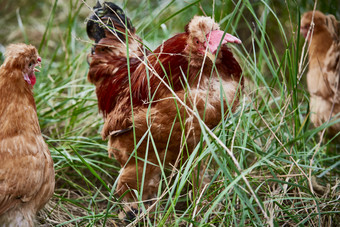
{"x":33,"y":79}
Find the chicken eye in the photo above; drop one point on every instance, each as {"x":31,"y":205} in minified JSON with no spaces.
{"x":30,"y":64}
{"x":196,"y":41}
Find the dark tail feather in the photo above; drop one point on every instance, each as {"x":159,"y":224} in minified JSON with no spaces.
{"x":111,"y":14}
{"x":116,"y":14}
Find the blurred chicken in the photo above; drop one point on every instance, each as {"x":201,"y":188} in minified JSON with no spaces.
{"x":26,"y":167}
{"x":324,"y":67}
{"x":181,"y":63}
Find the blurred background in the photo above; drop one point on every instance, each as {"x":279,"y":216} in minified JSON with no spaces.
{"x":47,"y":23}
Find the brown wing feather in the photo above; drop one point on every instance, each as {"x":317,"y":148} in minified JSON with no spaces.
{"x":109,"y":69}
{"x":170,"y":63}
{"x":22,"y":170}
{"x":144,"y":83}
{"x":167,"y":62}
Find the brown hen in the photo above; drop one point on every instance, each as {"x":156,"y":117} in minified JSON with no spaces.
{"x":147,"y":98}
{"x":322,"y":33}
{"x":26,"y":167}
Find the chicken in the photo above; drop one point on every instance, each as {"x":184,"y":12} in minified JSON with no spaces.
{"x":146,"y":97}
{"x":26,"y":166}
{"x":324,"y":67}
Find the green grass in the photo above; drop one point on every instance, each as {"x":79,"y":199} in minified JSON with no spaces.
{"x":264,"y":159}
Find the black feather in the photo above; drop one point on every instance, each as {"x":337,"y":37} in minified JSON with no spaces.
{"x":113,"y":16}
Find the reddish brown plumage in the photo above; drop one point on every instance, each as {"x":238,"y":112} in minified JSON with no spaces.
{"x":178,"y":61}
{"x":26,"y":167}
{"x":170,"y":55}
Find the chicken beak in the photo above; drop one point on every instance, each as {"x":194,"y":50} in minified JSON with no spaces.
{"x":38,"y":64}
{"x":211,"y":56}
{"x":39,"y":61}
{"x":218,"y":38}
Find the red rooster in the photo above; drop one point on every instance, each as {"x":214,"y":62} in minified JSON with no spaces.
{"x":142,"y":93}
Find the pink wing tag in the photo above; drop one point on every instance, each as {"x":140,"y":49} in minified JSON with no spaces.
{"x":214,"y":38}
